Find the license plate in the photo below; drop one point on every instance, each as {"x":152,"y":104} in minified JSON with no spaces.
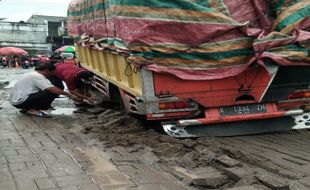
{"x":243,"y":109}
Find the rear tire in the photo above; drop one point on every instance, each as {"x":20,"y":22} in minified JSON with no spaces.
{"x":116,"y":98}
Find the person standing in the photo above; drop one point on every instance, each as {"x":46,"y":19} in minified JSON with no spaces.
{"x":15,"y":61}
{"x":5,"y":61}
{"x":34,"y":92}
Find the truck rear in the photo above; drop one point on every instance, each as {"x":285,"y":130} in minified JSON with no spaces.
{"x":202,"y":68}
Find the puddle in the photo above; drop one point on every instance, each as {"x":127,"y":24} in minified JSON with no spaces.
{"x":63,"y":111}
{"x":3,"y":84}
{"x":11,"y":84}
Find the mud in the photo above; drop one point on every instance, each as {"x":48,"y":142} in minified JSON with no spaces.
{"x":130,"y":132}
{"x":257,"y":166}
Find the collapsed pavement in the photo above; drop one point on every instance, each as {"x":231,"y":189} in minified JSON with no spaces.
{"x":266,"y":161}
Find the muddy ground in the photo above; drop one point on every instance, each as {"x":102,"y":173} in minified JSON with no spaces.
{"x":265,"y":161}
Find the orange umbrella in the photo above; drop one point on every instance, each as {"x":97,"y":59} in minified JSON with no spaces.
{"x":12,"y":51}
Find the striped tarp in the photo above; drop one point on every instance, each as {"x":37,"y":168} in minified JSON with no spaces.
{"x":197,"y":39}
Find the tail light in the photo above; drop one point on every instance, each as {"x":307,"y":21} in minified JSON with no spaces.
{"x":174,"y":105}
{"x":299,"y":95}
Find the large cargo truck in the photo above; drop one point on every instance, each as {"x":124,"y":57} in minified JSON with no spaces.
{"x":200,"y":67}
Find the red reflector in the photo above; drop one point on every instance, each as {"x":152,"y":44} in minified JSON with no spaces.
{"x":298,"y":95}
{"x":180,"y":105}
{"x":173,"y":105}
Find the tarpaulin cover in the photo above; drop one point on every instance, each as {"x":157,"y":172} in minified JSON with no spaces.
{"x":197,"y":39}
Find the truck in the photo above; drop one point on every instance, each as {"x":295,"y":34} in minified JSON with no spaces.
{"x":201,"y":68}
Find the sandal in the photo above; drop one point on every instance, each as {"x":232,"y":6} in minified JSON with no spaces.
{"x":38,"y":114}
{"x":23,"y":111}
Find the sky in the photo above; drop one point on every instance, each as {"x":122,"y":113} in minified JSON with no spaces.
{"x":21,"y":10}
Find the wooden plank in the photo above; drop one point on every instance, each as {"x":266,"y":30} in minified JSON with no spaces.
{"x":101,"y":64}
{"x":82,"y":56}
{"x":88,"y":60}
{"x":104,"y":64}
{"x":97,"y":61}
{"x":91,"y":56}
{"x":116,"y":67}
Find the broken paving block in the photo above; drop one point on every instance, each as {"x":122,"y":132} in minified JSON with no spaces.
{"x":273,"y":181}
{"x":210,"y":180}
{"x":202,"y":177}
{"x":305,"y":180}
{"x":237,"y":173}
{"x":116,"y":122}
{"x":251,"y":187}
{"x":228,"y":161}
{"x":296,"y":185}
{"x":96,"y":110}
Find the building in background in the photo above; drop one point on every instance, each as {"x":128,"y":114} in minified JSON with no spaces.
{"x":39,"y":35}
{"x":31,"y":37}
{"x":56,"y":29}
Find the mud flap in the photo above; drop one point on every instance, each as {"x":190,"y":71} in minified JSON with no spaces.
{"x":239,"y":128}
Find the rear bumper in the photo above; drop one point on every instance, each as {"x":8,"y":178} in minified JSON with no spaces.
{"x":213,"y":116}
{"x":248,"y":127}
{"x":215,"y":123}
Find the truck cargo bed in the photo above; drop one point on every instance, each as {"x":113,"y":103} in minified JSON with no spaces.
{"x":111,"y":67}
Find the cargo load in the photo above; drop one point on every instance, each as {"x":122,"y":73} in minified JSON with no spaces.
{"x":197,"y":40}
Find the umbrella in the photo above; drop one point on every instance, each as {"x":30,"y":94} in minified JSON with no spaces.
{"x":12,"y":51}
{"x":70,"y":49}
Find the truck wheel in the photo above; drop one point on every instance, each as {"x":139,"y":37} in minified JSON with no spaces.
{"x":116,"y":98}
